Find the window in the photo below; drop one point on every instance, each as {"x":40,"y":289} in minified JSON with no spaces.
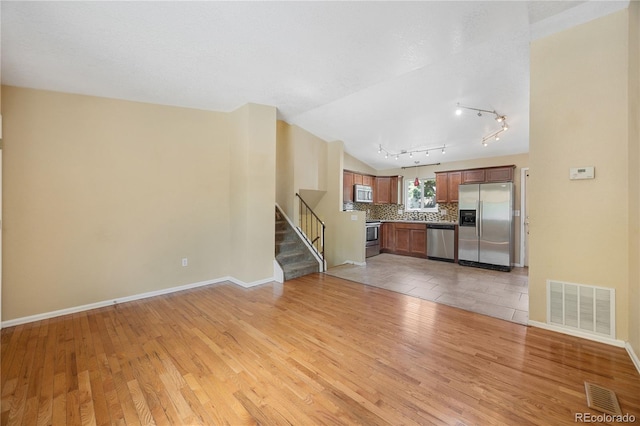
{"x":421,"y":197}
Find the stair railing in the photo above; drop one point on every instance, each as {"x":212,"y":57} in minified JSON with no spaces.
{"x":312,"y":228}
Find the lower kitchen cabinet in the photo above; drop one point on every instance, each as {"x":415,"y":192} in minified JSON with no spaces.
{"x":408,"y":239}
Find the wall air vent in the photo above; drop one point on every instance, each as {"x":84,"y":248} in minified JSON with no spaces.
{"x":581,"y":307}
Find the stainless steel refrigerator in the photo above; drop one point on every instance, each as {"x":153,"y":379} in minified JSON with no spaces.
{"x":485,"y":233}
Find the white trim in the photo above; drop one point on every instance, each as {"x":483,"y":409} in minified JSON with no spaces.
{"x":304,"y":239}
{"x":577,"y":333}
{"x":351,"y":262}
{"x":523,"y":207}
{"x":633,"y":356}
{"x":81,"y":308}
{"x":251,"y":284}
{"x":278,"y":273}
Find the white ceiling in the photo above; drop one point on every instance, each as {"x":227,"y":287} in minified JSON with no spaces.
{"x":366,"y":73}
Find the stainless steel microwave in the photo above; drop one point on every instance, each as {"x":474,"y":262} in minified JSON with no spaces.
{"x":362,"y":194}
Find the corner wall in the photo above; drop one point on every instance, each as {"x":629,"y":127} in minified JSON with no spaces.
{"x":252,"y":193}
{"x":634,"y":177}
{"x":579,"y":230}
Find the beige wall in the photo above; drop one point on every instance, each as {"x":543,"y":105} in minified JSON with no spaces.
{"x":285,"y":168}
{"x":634,"y":176}
{"x":302,"y":167}
{"x":103,"y":198}
{"x":355,"y":165}
{"x":252,"y":192}
{"x":579,"y":117}
{"x":345,"y":237}
{"x":520,"y":161}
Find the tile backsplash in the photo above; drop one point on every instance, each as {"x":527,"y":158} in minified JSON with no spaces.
{"x":390,"y":212}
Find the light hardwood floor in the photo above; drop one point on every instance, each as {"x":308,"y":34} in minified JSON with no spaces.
{"x":315,"y":350}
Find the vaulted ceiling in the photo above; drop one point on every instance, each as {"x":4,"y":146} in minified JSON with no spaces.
{"x":370,"y":74}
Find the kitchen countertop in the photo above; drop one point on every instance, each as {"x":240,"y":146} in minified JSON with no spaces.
{"x":426,"y":222}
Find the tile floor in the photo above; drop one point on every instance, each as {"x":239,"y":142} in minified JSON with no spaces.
{"x":502,"y":295}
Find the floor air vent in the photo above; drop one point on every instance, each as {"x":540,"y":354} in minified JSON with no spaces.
{"x":602,"y":399}
{"x":581,"y":307}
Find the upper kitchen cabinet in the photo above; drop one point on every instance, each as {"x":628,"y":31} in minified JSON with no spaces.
{"x":447,"y":183}
{"x":447,"y":186}
{"x":473,"y":176}
{"x":347,"y":187}
{"x":500,"y":174}
{"x":368,"y":180}
{"x":488,"y":174}
{"x":386,"y":189}
{"x":349,"y":179}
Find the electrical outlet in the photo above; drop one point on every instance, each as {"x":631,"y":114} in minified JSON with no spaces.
{"x":185,"y":261}
{"x":354,"y":217}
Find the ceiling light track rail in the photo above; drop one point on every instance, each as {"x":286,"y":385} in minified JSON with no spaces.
{"x":419,"y":165}
{"x":387,"y":153}
{"x":502,"y":119}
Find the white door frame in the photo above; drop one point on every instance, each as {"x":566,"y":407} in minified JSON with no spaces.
{"x":523,"y":213}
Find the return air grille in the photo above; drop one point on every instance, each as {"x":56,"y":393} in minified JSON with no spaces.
{"x":602,"y":399}
{"x":581,"y":307}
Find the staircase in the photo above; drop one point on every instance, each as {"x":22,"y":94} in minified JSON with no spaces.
{"x":291,"y":252}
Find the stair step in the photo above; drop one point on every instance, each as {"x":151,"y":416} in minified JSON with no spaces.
{"x":299,"y":269}
{"x":292,"y":256}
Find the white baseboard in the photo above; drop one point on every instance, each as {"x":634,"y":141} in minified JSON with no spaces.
{"x":351,"y":262}
{"x":110,"y":302}
{"x":577,"y":333}
{"x":633,"y":356}
{"x":251,"y":284}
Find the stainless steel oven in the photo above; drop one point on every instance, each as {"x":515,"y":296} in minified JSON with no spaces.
{"x":372,"y":244}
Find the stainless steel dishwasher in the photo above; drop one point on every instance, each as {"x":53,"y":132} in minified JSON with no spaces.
{"x":441,"y":242}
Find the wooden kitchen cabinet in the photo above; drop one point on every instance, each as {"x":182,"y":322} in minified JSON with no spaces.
{"x":447,"y":183}
{"x":411,"y":239}
{"x":407,"y":239}
{"x":500,"y":174}
{"x":382,"y":190}
{"x":367,"y":180}
{"x":357,"y":179}
{"x":387,"y":237}
{"x":442,"y":187}
{"x":347,"y":187}
{"x":473,"y":176}
{"x":453,"y":182}
{"x":385,"y":189}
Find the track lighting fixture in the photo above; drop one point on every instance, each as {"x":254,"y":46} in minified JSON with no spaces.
{"x":498,"y":117}
{"x":397,"y":155}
